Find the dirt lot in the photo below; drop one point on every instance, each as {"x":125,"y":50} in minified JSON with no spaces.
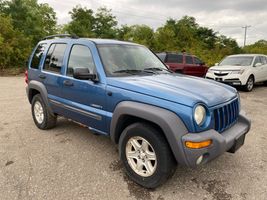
{"x":69,"y":162}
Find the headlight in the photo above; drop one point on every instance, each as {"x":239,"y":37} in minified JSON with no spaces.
{"x":238,"y":71}
{"x":200,"y":115}
{"x":210,"y":70}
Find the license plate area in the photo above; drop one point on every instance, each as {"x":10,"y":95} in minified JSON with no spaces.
{"x":219,"y":79}
{"x":238,"y":143}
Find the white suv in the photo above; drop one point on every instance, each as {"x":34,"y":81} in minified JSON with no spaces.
{"x":240,"y":70}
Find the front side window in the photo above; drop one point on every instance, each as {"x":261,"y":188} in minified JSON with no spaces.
{"x":38,"y":55}
{"x":237,"y":61}
{"x":54,"y":58}
{"x":80,"y":57}
{"x":162,"y":56}
{"x":263,"y":60}
{"x":198,"y":61}
{"x":128,"y":60}
{"x":189,"y":60}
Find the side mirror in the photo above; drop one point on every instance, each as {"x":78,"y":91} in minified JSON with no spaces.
{"x":83,"y":74}
{"x":216,"y":64}
{"x":257,"y":65}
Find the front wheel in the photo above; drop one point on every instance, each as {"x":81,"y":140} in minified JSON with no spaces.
{"x":146,"y":155}
{"x":250,"y":84}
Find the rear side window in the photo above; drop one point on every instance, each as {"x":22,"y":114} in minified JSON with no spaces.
{"x":80,"y":57}
{"x":54,"y":58}
{"x":38,"y":55}
{"x":174,"y":58}
{"x":263,"y":60}
{"x":189,"y":60}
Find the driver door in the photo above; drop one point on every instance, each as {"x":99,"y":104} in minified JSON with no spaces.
{"x":84,"y":99}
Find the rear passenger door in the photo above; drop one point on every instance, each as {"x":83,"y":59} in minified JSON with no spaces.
{"x":175,"y":62}
{"x":264,"y":67}
{"x":83,"y":99}
{"x":190,"y":67}
{"x":51,"y":74}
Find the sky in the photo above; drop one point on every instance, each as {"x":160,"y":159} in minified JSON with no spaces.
{"x":224,"y":16}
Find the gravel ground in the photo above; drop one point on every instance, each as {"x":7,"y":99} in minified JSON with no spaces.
{"x":68,"y":162}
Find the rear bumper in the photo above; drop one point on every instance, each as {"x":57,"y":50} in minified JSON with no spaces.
{"x":221,"y":142}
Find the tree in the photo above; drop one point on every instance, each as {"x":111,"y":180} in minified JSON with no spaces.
{"x":141,"y":34}
{"x":105,"y":23}
{"x":33,"y":19}
{"x":258,"y":47}
{"x":82,"y":23}
{"x":14,"y":46}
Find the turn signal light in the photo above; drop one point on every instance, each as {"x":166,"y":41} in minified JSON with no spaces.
{"x":198,"y":145}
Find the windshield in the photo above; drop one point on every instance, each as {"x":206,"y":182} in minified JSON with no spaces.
{"x":128,"y":60}
{"x":237,"y":61}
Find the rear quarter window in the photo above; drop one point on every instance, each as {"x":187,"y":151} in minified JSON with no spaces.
{"x":37,"y":56}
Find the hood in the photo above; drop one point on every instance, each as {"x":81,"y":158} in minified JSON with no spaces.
{"x":186,"y":90}
{"x":228,"y":67}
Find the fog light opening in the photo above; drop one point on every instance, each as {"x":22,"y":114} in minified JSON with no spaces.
{"x":199,"y":160}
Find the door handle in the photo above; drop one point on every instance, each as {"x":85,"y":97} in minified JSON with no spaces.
{"x":41,"y":76}
{"x":68,"y":83}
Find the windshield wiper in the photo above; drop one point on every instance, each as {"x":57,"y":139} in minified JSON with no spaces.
{"x":158,"y":69}
{"x":132,"y":71}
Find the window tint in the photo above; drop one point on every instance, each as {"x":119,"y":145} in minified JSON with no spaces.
{"x":198,"y":61}
{"x":54,"y":58}
{"x":80,"y":57}
{"x":174,"y":58}
{"x":38,"y":55}
{"x":189,"y":60}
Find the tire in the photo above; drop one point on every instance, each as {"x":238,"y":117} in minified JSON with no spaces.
{"x":162,"y":163}
{"x":250,"y":84}
{"x":42,"y":118}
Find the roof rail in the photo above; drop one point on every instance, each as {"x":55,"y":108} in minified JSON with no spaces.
{"x":61,"y":35}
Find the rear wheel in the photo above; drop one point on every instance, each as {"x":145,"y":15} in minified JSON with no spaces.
{"x":250,"y":84}
{"x":41,"y":116}
{"x":146,"y":155}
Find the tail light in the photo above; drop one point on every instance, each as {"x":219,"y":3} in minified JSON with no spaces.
{"x":26,"y":77}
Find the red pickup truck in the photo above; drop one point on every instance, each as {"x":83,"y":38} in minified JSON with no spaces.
{"x":184,"y":63}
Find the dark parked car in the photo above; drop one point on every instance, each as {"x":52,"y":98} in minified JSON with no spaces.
{"x":184,"y":63}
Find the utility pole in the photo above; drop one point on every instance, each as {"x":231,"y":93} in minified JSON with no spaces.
{"x":245,"y":37}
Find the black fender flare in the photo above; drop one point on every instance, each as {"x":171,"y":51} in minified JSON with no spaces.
{"x":171,"y":125}
{"x":40,"y":87}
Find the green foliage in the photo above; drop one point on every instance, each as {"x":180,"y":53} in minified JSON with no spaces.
{"x":33,"y":19}
{"x":82,"y":23}
{"x":14,"y":47}
{"x":258,"y":47}
{"x":85,"y":23}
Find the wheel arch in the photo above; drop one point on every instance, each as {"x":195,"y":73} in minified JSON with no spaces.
{"x":169,"y":124}
{"x":35,"y":87}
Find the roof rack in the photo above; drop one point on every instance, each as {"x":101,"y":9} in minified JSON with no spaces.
{"x":61,"y":35}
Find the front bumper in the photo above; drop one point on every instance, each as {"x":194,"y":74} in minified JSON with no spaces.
{"x":221,"y":142}
{"x":231,"y":79}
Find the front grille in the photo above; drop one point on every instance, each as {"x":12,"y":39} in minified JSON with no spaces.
{"x":221,"y":74}
{"x":226,"y":115}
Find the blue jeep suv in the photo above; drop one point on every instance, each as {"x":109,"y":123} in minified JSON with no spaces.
{"x":157,"y":118}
